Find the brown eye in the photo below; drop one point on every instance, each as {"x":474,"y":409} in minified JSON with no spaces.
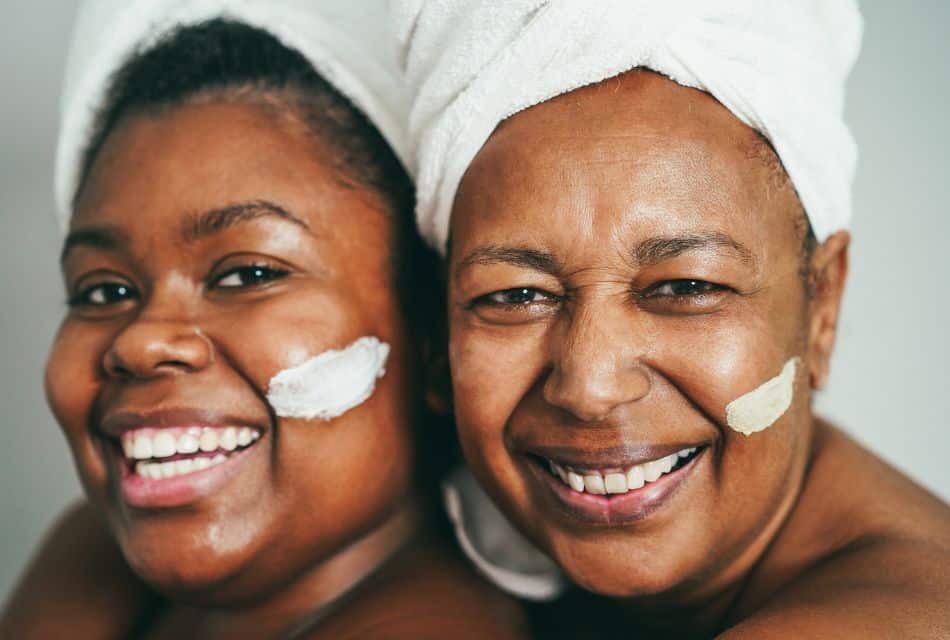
{"x":515,"y":305}
{"x":682,"y":288}
{"x":518,"y":296}
{"x":249,"y":276}
{"x":103,"y":294}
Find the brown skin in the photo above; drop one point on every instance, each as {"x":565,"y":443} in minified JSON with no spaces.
{"x":317,"y":506}
{"x":576,"y":201}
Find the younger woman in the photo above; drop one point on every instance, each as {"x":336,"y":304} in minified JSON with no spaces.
{"x":237,"y":371}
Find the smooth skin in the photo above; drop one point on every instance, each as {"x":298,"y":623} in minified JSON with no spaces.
{"x":625,"y":260}
{"x":173,"y":308}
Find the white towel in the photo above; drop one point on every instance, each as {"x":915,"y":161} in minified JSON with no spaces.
{"x":494,"y":546}
{"x":779,"y":65}
{"x":346,"y":41}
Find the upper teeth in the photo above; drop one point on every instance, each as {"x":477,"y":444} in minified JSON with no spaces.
{"x":635,"y":477}
{"x":143,"y":444}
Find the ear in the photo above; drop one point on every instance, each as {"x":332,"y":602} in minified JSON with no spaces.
{"x":827,"y":275}
{"x":437,"y":381}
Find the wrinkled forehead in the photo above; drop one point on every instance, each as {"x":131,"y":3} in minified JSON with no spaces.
{"x":637,"y":149}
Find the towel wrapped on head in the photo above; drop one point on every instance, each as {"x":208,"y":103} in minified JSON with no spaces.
{"x":778,"y":65}
{"x":345,"y":41}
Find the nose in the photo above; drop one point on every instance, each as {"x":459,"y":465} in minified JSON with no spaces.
{"x":152,"y":347}
{"x":596,"y":364}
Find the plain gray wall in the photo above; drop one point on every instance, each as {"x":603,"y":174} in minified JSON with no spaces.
{"x":890,"y":385}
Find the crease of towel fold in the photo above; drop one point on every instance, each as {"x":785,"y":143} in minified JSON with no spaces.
{"x":498,"y":551}
{"x":779,"y":65}
{"x":347,"y":42}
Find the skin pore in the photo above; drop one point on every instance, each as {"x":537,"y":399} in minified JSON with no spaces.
{"x":622,"y":266}
{"x":212,"y":246}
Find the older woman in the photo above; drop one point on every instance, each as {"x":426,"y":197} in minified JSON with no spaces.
{"x":645,"y":277}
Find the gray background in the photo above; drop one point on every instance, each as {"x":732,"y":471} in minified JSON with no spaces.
{"x":890,"y":385}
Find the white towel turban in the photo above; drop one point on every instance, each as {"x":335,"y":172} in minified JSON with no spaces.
{"x":346,"y":41}
{"x":779,"y":65}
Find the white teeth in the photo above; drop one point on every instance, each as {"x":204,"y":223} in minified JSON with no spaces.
{"x":653,"y":470}
{"x":208,"y":441}
{"x":142,"y":449}
{"x":595,"y":484}
{"x":228,"y":440}
{"x":187,"y":443}
{"x":128,"y":446}
{"x":163,"y":445}
{"x":576,"y":482}
{"x":162,"y":470}
{"x":668,"y":462}
{"x":615,"y":483}
{"x":635,"y":478}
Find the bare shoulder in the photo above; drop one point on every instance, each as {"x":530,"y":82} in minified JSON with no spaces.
{"x":76,"y":585}
{"x":866,"y":553}
{"x":431,"y":594}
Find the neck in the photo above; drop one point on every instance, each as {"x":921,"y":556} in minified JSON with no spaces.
{"x":314,"y":594}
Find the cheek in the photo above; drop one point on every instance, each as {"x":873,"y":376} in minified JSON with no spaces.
{"x":717,"y":360}
{"x":491,"y":370}
{"x":72,"y":376}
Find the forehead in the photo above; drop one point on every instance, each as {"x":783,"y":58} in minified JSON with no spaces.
{"x":175,"y":162}
{"x":635,"y":150}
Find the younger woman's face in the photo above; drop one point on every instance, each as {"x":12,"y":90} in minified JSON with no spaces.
{"x":211,"y":247}
{"x":623,"y":264}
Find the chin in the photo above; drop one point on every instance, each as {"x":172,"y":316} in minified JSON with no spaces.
{"x":203,"y":566}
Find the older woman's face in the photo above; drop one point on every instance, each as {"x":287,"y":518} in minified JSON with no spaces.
{"x":624,"y":264}
{"x":210,"y":249}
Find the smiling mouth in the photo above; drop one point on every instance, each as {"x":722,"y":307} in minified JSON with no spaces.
{"x":163,"y":453}
{"x":619,"y":481}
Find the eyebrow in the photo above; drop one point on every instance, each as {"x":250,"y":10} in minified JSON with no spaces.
{"x":650,"y":251}
{"x":215,"y":221}
{"x":655,"y":250}
{"x":103,"y":237}
{"x":516,"y":256}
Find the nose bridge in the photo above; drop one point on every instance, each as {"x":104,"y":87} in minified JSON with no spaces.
{"x":164,"y":337}
{"x":596,"y":360}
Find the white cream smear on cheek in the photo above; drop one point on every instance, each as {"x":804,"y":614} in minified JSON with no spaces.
{"x":761,"y":407}
{"x":329,"y":384}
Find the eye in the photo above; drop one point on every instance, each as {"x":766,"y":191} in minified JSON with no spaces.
{"x":103,"y":294}
{"x":514,"y":297}
{"x":249,"y":276}
{"x":682,"y":288}
{"x":515,"y":306}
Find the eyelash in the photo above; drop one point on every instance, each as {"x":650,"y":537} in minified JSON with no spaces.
{"x":672,"y":293}
{"x":260,"y":274}
{"x":696,"y":288}
{"x":493,"y":298}
{"x":84,"y":297}
{"x":118,"y":292}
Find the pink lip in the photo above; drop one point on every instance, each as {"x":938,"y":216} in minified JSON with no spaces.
{"x":612,"y":510}
{"x":148,"y":493}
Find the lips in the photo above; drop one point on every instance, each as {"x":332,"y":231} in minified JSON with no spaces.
{"x":172,"y":458}
{"x":605,"y":493}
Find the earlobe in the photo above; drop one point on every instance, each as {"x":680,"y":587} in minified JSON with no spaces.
{"x":828,"y":274}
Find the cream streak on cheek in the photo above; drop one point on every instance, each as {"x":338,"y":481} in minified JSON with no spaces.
{"x":761,"y":407}
{"x":328,"y":385}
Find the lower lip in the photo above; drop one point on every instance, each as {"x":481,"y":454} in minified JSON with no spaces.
{"x":147,"y":493}
{"x":616,"y":509}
